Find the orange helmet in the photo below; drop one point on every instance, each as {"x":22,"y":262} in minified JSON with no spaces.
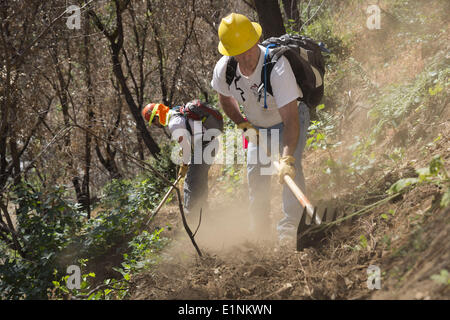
{"x":155,"y":109}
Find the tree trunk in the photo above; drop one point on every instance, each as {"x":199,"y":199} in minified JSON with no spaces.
{"x":270,"y":18}
{"x":116,"y":44}
{"x":109,"y":162}
{"x":86,"y":199}
{"x":134,"y":108}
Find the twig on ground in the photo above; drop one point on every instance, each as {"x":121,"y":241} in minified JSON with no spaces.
{"x":357,"y":213}
{"x":147,"y":166}
{"x":199,"y":222}
{"x":186,"y":226}
{"x":100,"y":287}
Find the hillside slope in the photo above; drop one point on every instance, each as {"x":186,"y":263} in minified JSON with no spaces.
{"x":391,"y":117}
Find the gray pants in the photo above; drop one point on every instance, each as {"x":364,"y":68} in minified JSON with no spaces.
{"x":196,"y":188}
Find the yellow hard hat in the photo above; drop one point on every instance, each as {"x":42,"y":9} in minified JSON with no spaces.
{"x":237,"y":34}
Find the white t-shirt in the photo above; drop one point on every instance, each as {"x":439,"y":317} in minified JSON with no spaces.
{"x":177,"y":122}
{"x":245,"y":90}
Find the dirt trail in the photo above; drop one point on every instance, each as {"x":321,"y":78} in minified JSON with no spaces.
{"x":235,"y":267}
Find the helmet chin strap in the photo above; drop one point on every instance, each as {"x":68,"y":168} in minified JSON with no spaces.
{"x":155,"y":109}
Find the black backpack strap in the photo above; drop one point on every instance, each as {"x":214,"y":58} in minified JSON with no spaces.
{"x":272,"y":59}
{"x":231,"y":70}
{"x":188,"y":126}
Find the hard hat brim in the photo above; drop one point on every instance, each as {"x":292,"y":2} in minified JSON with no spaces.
{"x":245,"y":47}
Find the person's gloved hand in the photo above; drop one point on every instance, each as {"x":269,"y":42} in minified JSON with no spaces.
{"x":246,"y":126}
{"x":183,"y":170}
{"x":286,"y":168}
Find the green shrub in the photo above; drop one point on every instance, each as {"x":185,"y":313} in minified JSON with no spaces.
{"x":54,"y":234}
{"x":164,"y":165}
{"x":46,"y":223}
{"x":323,"y":30}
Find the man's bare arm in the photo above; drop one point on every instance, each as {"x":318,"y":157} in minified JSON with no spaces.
{"x":231,"y":108}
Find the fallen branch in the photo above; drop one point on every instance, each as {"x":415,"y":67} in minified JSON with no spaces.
{"x":199,"y":223}
{"x":100,"y":287}
{"x":186,"y":226}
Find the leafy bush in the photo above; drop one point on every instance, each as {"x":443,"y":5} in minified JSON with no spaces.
{"x":54,"y":234}
{"x":323,"y":30}
{"x":435,"y":173}
{"x":143,"y":253}
{"x":425,"y":90}
{"x":164,"y":165}
{"x":46,"y":223}
{"x":233,"y":169}
{"x":442,"y":278}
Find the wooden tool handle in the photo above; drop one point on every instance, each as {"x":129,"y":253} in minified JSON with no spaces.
{"x":164,"y":199}
{"x":295,"y":190}
{"x":298,"y":194}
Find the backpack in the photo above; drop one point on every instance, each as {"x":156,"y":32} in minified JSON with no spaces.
{"x":196,"y":110}
{"x":306,"y":60}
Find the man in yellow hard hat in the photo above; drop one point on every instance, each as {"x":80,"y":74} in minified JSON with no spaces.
{"x":281,"y":114}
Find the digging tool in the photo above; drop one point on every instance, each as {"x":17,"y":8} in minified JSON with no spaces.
{"x":164,"y":199}
{"x":316,"y":216}
{"x":181,"y":174}
{"x":306,"y":204}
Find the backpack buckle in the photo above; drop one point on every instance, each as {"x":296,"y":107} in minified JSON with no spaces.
{"x":260,"y":91}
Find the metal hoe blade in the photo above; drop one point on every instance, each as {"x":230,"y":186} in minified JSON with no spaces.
{"x":309,"y":232}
